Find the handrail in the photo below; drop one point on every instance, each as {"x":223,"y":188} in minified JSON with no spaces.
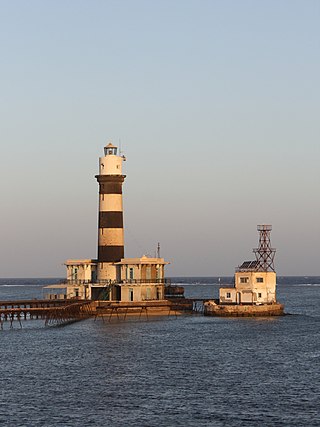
{"x":115,"y":282}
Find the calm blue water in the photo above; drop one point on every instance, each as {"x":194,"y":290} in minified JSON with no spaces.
{"x":189,"y":371}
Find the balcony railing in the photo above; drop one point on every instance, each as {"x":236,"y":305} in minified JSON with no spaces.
{"x":146,"y":281}
{"x":163,"y":281}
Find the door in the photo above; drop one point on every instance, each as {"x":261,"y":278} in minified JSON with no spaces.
{"x":238,"y":297}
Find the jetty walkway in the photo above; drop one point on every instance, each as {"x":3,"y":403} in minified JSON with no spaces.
{"x":58,"y":311}
{"x":53,"y":312}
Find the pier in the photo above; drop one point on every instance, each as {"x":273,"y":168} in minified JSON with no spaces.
{"x":59,"y":312}
{"x":53,"y":312}
{"x":121,"y":310}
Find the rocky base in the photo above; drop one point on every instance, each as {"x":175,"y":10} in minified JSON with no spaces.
{"x":229,"y":310}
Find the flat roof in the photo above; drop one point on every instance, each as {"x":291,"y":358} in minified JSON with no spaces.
{"x":57,"y":286}
{"x":81,"y":262}
{"x":141,"y":261}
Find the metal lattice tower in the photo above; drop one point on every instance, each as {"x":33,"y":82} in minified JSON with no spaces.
{"x":265,"y":253}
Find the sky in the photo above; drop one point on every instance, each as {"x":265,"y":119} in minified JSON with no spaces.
{"x":214,"y":103}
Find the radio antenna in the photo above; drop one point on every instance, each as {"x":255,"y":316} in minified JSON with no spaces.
{"x":265,"y":253}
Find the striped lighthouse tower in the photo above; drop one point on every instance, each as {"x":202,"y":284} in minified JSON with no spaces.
{"x":111,"y":237}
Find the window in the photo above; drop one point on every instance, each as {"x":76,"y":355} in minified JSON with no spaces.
{"x":131,"y":273}
{"x":228,"y":295}
{"x":259,"y":279}
{"x":244,"y":279}
{"x":259,"y":295}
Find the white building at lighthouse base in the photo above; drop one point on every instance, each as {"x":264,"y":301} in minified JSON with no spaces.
{"x":136,"y":280}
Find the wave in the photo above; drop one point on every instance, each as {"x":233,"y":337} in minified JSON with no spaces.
{"x":193,"y":284}
{"x":22,"y":286}
{"x":316,"y":285}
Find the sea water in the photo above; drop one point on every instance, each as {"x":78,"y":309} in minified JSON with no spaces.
{"x":185,"y":371}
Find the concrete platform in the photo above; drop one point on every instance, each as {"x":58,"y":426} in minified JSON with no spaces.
{"x":111,"y":309}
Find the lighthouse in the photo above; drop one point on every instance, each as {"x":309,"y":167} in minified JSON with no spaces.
{"x":110,"y":221}
{"x":111,"y":276}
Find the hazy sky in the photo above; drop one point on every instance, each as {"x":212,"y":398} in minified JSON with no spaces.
{"x":216,"y":104}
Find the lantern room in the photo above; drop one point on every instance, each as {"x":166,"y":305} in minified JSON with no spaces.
{"x":110,"y":150}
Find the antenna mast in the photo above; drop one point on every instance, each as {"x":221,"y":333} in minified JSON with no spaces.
{"x":158,"y":250}
{"x":265,"y":253}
